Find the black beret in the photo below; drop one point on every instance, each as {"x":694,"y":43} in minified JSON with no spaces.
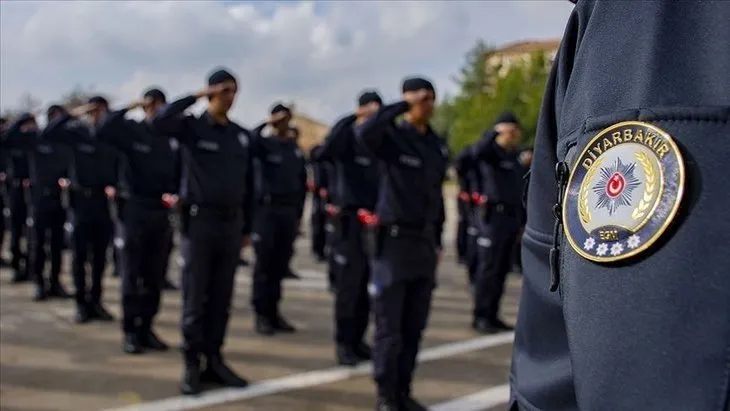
{"x":507,"y":117}
{"x":417,"y":83}
{"x":98,"y":100}
{"x":53,"y":108}
{"x":278,"y":107}
{"x":220,"y":76}
{"x":369,"y":96}
{"x":155,"y":94}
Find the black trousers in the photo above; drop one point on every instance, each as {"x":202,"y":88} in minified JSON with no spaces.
{"x":18,"y":226}
{"x":210,"y":246}
{"x":404,"y":279}
{"x":2,"y":218}
{"x":48,"y":220}
{"x":144,"y":252}
{"x":275,"y":230}
{"x":333,"y":238}
{"x":461,"y":230}
{"x":317,"y":222}
{"x":352,"y":301}
{"x":91,"y":238}
{"x":495,"y":252}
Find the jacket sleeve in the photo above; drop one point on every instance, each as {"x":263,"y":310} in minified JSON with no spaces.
{"x":250,"y":193}
{"x":541,"y":375}
{"x":172,"y":122}
{"x":374,"y":133}
{"x":113,"y":128}
{"x":337,"y":141}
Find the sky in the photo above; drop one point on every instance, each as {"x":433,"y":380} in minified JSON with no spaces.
{"x":319,"y":55}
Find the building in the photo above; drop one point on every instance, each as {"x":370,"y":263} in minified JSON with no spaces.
{"x":504,"y":58}
{"x":311,"y":131}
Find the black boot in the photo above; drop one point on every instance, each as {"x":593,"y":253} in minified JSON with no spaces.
{"x":387,"y":404}
{"x":57,"y":291}
{"x":190,"y":384}
{"x":131,"y":344}
{"x":264,"y":326}
{"x":363,"y":351}
{"x":83,"y":314}
{"x":282,"y":325}
{"x":40,"y":293}
{"x":100,"y":313}
{"x":218,"y":372}
{"x":148,"y":339}
{"x":407,"y":403}
{"x":346,"y":355}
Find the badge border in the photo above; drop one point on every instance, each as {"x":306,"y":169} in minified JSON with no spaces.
{"x":670,"y":217}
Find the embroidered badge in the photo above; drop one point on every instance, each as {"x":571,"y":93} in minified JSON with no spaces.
{"x":624,"y":191}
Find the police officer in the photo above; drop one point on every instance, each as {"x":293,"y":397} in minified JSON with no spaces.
{"x":468,"y":203}
{"x":501,"y":175}
{"x":152,"y":179}
{"x":319,"y":200}
{"x":48,"y":165}
{"x":463,"y":207}
{"x":93,"y":172}
{"x":4,"y":124}
{"x":411,"y":214}
{"x":525,"y":159}
{"x":216,"y":193}
{"x":359,"y":179}
{"x":281,"y":180}
{"x":19,"y":184}
{"x":639,"y":273}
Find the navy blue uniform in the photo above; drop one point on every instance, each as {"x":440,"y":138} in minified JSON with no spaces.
{"x":151,"y":170}
{"x":281,"y":189}
{"x":48,"y":162}
{"x":358,"y":180}
{"x":411,"y":212}
{"x":500,"y":222}
{"x":653,"y":332}
{"x":216,"y":190}
{"x":467,"y":172}
{"x":17,"y":167}
{"x":318,"y":213}
{"x":93,"y":167}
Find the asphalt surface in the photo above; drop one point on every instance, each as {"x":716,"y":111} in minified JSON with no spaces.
{"x":47,"y":362}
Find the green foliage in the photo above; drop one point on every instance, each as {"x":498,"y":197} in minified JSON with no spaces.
{"x":484,"y":93}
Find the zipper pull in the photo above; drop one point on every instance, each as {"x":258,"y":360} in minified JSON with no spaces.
{"x":561,"y":176}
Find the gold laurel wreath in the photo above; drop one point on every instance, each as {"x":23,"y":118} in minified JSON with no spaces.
{"x":583,"y":212}
{"x":650,"y":172}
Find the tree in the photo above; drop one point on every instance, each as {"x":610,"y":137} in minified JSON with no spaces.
{"x":486,"y":91}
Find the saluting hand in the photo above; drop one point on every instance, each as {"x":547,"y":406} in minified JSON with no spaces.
{"x":212,"y":90}
{"x":82,"y":110}
{"x":415,"y":97}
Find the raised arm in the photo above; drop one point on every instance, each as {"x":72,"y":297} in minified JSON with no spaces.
{"x":115,"y":126}
{"x":373,"y":133}
{"x":336,"y":142}
{"x":486,"y":149}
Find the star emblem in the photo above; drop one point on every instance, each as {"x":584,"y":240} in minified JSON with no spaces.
{"x":589,"y":243}
{"x":602,"y":249}
{"x":633,"y":241}
{"x":615,"y":185}
{"x":617,"y":249}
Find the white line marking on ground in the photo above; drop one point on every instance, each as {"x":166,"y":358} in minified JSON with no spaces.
{"x":479,"y":401}
{"x":309,"y":379}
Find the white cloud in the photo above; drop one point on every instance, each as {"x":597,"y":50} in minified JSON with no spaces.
{"x":316,"y":54}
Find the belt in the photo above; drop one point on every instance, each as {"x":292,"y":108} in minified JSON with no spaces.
{"x":401,"y":230}
{"x":211,"y":211}
{"x":283,"y":200}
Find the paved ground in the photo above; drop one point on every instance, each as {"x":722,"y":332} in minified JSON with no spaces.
{"x":49,"y":363}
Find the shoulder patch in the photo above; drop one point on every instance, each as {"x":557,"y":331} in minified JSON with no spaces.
{"x":623,"y":192}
